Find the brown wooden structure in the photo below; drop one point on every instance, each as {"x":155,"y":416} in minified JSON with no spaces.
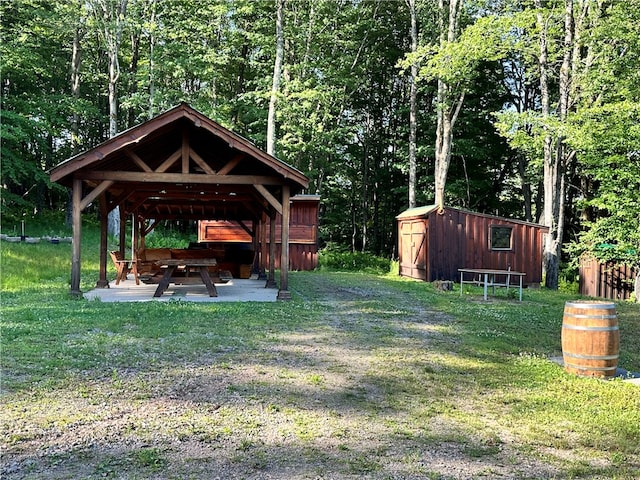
{"x":606,"y":280}
{"x":238,"y":235}
{"x":180,"y":165}
{"x":434,"y":242}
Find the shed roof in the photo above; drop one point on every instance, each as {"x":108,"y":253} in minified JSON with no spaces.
{"x":181,"y":164}
{"x":418,"y":212}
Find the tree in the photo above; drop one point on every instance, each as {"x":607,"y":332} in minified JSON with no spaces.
{"x":605,"y":132}
{"x":110,"y":15}
{"x":450,"y":99}
{"x":275,"y":86}
{"x":413,"y":105}
{"x":34,"y":103}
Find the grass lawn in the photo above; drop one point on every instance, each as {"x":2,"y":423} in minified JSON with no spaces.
{"x":359,"y":376}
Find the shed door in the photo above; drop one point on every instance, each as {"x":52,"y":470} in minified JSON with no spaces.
{"x":413,"y":243}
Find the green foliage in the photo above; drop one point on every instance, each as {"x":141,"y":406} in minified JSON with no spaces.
{"x":606,"y":135}
{"x":342,"y":110}
{"x":169,"y":239}
{"x":335,"y":258}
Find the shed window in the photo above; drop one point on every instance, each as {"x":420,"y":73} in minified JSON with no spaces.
{"x":500,"y":238}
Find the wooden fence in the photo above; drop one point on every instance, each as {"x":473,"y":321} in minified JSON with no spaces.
{"x":606,"y":280}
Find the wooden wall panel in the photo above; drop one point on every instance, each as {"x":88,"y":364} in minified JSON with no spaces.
{"x":303,"y":233}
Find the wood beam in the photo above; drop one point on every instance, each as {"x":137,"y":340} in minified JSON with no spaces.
{"x":185,"y":151}
{"x":103,"y":282}
{"x":230,"y":165}
{"x":173,"y":158}
{"x":137,"y":160}
{"x":245,"y":228}
{"x":271,"y":279}
{"x":77,"y":237}
{"x":160,"y":177}
{"x":120,"y":199}
{"x":100,"y":189}
{"x":137,"y":204}
{"x":149,"y":228}
{"x":273,"y":201}
{"x":283,"y":293}
{"x":201,"y":163}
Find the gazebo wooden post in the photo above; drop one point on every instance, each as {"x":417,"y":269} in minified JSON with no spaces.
{"x":103,"y":282}
{"x":255,"y":266}
{"x":271,"y":280}
{"x":77,"y":238}
{"x":262,"y":229}
{"x":123,"y":232}
{"x":284,"y":293}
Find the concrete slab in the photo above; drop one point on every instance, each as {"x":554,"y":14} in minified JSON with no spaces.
{"x":235,"y":290}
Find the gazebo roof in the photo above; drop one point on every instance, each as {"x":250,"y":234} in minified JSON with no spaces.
{"x":181,"y":165}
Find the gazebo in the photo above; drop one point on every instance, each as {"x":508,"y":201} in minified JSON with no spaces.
{"x":181,"y":165}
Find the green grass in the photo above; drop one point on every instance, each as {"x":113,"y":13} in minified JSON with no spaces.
{"x":358,"y":375}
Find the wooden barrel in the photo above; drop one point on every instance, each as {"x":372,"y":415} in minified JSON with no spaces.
{"x":590,"y":338}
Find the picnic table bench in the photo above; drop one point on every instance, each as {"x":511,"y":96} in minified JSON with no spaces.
{"x":487,"y":278}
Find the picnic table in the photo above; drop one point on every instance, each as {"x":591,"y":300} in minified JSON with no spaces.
{"x":201,"y":265}
{"x":487,"y":278}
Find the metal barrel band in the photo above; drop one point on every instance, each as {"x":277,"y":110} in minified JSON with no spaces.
{"x":578,"y":315}
{"x":590,"y":357}
{"x":585,"y":368}
{"x":586,"y":305}
{"x":611,"y":328}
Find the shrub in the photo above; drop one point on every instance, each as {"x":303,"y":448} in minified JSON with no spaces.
{"x":338,"y":259}
{"x":168,"y":239}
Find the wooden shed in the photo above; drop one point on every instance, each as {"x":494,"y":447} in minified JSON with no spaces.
{"x":606,"y":280}
{"x":434,"y":243}
{"x":239,"y":236}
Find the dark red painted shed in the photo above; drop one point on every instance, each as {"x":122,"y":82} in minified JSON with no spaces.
{"x":434,"y":243}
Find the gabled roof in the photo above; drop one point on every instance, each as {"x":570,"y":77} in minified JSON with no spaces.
{"x":181,"y":164}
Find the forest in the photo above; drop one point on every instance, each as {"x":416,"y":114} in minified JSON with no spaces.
{"x":528,"y":109}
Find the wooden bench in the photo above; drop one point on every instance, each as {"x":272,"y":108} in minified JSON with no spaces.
{"x":123,"y":267}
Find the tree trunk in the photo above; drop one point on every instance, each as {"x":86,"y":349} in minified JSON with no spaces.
{"x":113,"y":17}
{"x":449,"y":103}
{"x":413,"y":108}
{"x":275,"y":87}
{"x":133,"y":71}
{"x":152,"y":44}
{"x":554,"y":158}
{"x":76,"y":59}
